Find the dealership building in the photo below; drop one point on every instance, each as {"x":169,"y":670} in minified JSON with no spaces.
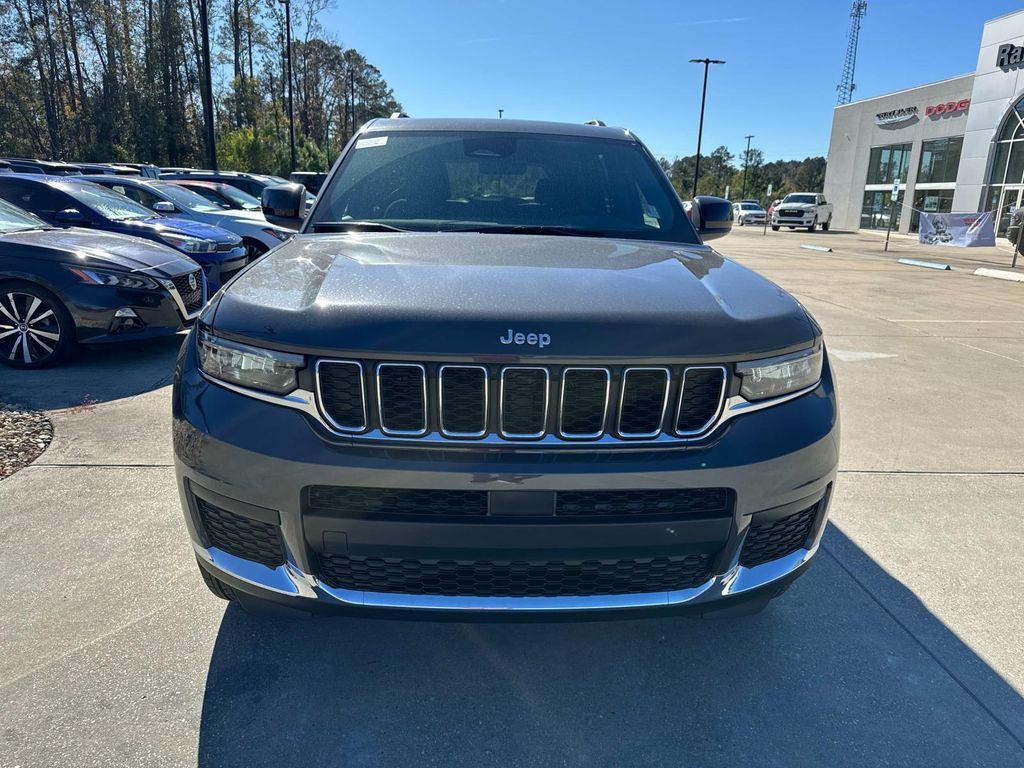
{"x":955,"y":145}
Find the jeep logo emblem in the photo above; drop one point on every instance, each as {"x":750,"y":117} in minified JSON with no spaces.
{"x":539,"y":340}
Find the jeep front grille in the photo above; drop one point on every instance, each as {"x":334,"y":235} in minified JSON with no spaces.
{"x":519,"y":403}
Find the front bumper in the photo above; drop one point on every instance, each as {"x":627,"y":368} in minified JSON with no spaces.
{"x":793,"y":221}
{"x":93,"y":310}
{"x":258,"y":461}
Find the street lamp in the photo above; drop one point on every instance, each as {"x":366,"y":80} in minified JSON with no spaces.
{"x":746,"y":162}
{"x":700,"y":129}
{"x":500,"y":113}
{"x":288,"y":54}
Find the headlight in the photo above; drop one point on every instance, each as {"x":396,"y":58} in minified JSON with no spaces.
{"x":188,"y":244}
{"x":115,"y":279}
{"x":279,"y":234}
{"x":248,"y":366}
{"x":777,"y":376}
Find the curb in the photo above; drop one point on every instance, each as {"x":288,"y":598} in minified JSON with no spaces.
{"x":1000,"y":274}
{"x":928,"y":264}
{"x":821,"y":248}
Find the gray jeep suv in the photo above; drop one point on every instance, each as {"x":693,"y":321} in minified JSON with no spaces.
{"x":498,"y":372}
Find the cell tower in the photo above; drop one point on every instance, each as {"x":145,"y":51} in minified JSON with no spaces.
{"x":846,"y":84}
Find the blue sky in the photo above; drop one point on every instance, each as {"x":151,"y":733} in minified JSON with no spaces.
{"x":626,"y":62}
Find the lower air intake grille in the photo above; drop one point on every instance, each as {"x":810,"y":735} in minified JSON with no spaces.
{"x":689,"y":502}
{"x":773,"y":539}
{"x":344,"y":501}
{"x":516,"y":578}
{"x":241,"y":536}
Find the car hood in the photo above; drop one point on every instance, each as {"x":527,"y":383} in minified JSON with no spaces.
{"x":87,"y":247}
{"x":183,"y":226}
{"x":457,"y":294}
{"x":795,"y":206}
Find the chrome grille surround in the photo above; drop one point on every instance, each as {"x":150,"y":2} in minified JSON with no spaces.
{"x":561,"y":402}
{"x":435,"y":427}
{"x":622,"y":399}
{"x":502,"y":408}
{"x":325,"y":412}
{"x":682,"y":393}
{"x":440,"y":400}
{"x":382,"y":402}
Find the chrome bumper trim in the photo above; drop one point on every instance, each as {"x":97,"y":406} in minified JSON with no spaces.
{"x":290,"y":581}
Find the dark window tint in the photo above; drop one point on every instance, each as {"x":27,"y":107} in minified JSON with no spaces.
{"x":940,"y":160}
{"x":886,"y":164}
{"x":34,"y":198}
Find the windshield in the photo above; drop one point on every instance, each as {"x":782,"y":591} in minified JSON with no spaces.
{"x":186,"y":198}
{"x":800,"y":199}
{"x":750,"y":206}
{"x":107,"y":203}
{"x":13,"y":219}
{"x":490,"y":181}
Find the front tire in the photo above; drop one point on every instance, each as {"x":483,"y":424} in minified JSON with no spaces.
{"x":775,"y":227}
{"x":36,"y":329}
{"x":825,"y":227}
{"x":814,"y":224}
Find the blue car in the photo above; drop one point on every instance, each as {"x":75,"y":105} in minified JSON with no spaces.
{"x":69,"y":202}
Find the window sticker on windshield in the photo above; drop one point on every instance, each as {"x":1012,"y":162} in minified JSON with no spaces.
{"x":376,"y":141}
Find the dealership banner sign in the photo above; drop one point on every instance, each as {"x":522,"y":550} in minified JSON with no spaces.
{"x":962,"y":230}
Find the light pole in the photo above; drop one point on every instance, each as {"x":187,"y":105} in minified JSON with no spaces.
{"x":501,"y":112}
{"x":700,"y":129}
{"x":288,"y":54}
{"x":746,"y":162}
{"x":211,"y":142}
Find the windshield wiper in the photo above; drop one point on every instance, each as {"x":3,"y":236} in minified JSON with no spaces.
{"x":347,"y":226}
{"x":530,"y":229}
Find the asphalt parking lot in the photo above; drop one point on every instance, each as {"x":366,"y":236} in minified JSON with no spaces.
{"x":901,"y":645}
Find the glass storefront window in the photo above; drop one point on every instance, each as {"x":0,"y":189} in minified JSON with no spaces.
{"x":940,"y":160}
{"x":874,"y":214}
{"x":930,"y":201}
{"x":887,"y":164}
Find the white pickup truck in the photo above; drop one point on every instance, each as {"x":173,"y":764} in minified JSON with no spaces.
{"x":802,"y":209}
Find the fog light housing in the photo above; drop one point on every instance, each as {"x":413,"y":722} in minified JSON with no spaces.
{"x":126,"y":320}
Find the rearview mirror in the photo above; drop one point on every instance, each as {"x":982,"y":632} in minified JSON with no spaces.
{"x":71,"y":216}
{"x":284,"y":204}
{"x":164,"y":206}
{"x":710,"y":216}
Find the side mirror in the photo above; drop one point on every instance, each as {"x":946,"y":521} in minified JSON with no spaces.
{"x":71,"y":216}
{"x":164,"y":206}
{"x":711,"y":216}
{"x":284,"y":204}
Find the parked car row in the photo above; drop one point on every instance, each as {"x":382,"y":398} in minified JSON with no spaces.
{"x":116,"y":253}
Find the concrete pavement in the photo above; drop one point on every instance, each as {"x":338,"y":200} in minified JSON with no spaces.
{"x":901,"y":645}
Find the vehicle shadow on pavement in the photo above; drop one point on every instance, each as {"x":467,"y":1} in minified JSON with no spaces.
{"x":847,"y":668}
{"x":94,"y":375}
